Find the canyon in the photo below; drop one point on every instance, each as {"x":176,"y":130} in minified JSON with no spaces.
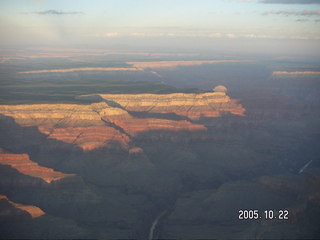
{"x":97,"y":124}
{"x":105,"y":154}
{"x":88,"y":126}
{"x":190,"y":105}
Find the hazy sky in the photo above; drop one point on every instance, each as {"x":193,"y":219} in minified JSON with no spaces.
{"x":228,"y":24}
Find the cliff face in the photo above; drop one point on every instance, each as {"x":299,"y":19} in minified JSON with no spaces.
{"x":88,"y":138}
{"x":89,"y":126}
{"x":52,"y":115}
{"x":32,"y":210}
{"x":23,"y":164}
{"x":98,"y":124}
{"x":191,"y":105}
{"x":132,"y":125}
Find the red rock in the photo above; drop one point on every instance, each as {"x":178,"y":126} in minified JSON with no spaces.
{"x":191,"y":105}
{"x":135,"y":150}
{"x":32,"y":210}
{"x":89,"y":138}
{"x":90,"y":126}
{"x":23,"y":164}
{"x":134,"y":125}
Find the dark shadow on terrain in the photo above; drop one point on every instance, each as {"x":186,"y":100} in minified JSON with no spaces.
{"x":146,"y":114}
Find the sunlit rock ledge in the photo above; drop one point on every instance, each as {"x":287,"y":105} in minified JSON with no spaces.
{"x":99,"y":124}
{"x":32,"y":210}
{"x":24,"y":165}
{"x":190,"y":105}
{"x":90,"y":126}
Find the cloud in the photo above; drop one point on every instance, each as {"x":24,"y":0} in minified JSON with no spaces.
{"x":306,"y":13}
{"x":138,"y":34}
{"x":296,"y":37}
{"x":258,"y":36}
{"x":53,"y":12}
{"x":220,"y":35}
{"x":291,"y":1}
{"x":240,"y":1}
{"x":111,"y":34}
{"x":206,"y":33}
{"x":231,"y":35}
{"x":216,"y":35}
{"x":302,"y":20}
{"x":108,"y":35}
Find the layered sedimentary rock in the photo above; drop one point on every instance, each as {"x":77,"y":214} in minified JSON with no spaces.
{"x":133,"y":125}
{"x":98,"y":124}
{"x":88,"y":138}
{"x":89,"y":126}
{"x":23,"y":164}
{"x":32,"y":210}
{"x":71,"y":123}
{"x":191,"y":105}
{"x":52,"y":115}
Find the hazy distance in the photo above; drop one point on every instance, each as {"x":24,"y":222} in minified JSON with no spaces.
{"x":226,"y":26}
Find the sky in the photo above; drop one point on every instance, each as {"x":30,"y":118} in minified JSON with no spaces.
{"x":230,"y":25}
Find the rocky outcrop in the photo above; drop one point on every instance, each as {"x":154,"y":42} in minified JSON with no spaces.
{"x":220,"y":88}
{"x":23,"y":164}
{"x":191,"y":105}
{"x":90,"y":126}
{"x":135,"y":150}
{"x":32,"y":210}
{"x":88,"y":138}
{"x":133,"y":125}
{"x":55,"y":115}
{"x":99,"y":124}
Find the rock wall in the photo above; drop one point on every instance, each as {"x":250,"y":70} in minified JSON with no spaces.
{"x":23,"y":164}
{"x":90,"y":126}
{"x":98,"y":124}
{"x":190,"y":105}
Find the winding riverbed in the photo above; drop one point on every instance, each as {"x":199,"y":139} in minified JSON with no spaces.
{"x":154,"y":224}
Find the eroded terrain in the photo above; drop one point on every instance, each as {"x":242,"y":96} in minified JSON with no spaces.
{"x":116,"y":158}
